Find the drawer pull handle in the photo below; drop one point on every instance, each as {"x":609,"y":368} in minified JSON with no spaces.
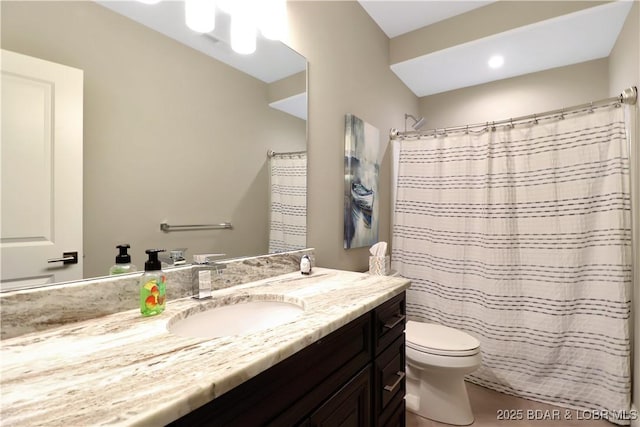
{"x":391,"y":388}
{"x":395,"y":323}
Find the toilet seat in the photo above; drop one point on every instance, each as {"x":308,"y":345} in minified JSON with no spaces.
{"x":440,"y":340}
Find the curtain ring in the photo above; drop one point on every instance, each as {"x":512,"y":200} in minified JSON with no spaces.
{"x":535,"y":119}
{"x":591,"y":107}
{"x":466,"y":131}
{"x":562,"y":115}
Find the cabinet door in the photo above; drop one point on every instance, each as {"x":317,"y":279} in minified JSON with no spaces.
{"x":349,"y":407}
{"x":398,"y":418}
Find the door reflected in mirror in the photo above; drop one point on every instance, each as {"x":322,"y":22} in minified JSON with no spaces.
{"x":170,"y":133}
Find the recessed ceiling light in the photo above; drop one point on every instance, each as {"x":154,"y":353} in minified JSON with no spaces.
{"x":496,"y":61}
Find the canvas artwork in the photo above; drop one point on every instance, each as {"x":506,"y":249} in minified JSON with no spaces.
{"x":361,"y":171}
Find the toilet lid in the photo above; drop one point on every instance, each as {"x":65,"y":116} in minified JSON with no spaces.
{"x":441,"y":340}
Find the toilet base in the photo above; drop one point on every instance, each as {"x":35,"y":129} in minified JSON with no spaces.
{"x":440,"y":399}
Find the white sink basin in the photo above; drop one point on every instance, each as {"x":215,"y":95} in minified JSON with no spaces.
{"x":237,"y":318}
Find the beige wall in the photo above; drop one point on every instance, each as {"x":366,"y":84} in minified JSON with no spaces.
{"x":624,"y":71}
{"x":518,"y":96}
{"x":166,"y":135}
{"x":287,"y":87}
{"x":624,"y":60}
{"x":348,"y":73}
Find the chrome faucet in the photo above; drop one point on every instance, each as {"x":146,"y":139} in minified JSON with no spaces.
{"x":201,"y":271}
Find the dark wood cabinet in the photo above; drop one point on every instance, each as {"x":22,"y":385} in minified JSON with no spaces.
{"x":349,"y":407}
{"x":389,"y":320}
{"x":398,"y":417}
{"x":389,"y":362}
{"x":352,"y":377}
{"x":389,"y":381}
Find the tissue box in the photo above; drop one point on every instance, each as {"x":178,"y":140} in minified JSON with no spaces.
{"x":379,"y":265}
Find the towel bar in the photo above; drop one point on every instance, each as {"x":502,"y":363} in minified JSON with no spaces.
{"x":167,"y":228}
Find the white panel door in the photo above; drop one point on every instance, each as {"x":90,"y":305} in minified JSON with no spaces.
{"x":41,"y":160}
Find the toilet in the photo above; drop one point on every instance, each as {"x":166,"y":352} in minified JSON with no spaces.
{"x":438,"y":358}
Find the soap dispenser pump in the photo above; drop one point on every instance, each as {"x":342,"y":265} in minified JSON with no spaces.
{"x":152,"y":285}
{"x":123,"y":261}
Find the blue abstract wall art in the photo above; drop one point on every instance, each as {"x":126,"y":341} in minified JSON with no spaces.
{"x":361,"y":172}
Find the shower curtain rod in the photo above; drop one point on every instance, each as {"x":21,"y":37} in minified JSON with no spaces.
{"x":271,"y":153}
{"x":628,"y":96}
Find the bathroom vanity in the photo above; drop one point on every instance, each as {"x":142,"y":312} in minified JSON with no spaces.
{"x":355,"y":373}
{"x":342,"y":358}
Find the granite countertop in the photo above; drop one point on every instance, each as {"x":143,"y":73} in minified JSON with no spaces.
{"x":125,"y":369}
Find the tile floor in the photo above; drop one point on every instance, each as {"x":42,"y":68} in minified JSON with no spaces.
{"x":488,"y":404}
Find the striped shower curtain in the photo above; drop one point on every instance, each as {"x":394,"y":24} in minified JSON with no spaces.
{"x":521,"y":237}
{"x":288,"y":215}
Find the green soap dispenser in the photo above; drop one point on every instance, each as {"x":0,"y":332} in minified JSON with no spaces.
{"x":123,"y":262}
{"x":152,"y":285}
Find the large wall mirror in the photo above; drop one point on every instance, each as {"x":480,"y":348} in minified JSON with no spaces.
{"x":170,"y":132}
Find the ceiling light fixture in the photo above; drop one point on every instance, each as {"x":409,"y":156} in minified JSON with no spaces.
{"x":243,"y":32}
{"x":273,"y":19}
{"x":200,"y":15}
{"x":247,"y":16}
{"x":226,"y":6}
{"x":496,"y":61}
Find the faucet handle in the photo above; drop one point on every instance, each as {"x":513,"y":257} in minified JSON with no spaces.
{"x":177,"y":255}
{"x":204,"y":258}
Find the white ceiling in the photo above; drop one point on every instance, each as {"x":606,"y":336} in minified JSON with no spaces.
{"x":399,"y":17}
{"x":568,"y":39}
{"x":295,"y":105}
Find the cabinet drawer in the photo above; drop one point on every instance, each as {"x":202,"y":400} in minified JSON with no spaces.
{"x":389,"y":379}
{"x":389,"y":322}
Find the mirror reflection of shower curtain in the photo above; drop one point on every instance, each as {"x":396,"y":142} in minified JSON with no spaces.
{"x":522,"y":238}
{"x":288,"y":215}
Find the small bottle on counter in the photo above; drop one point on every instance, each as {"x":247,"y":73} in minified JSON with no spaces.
{"x":152,"y":285}
{"x":305,"y":264}
{"x":123,"y":261}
